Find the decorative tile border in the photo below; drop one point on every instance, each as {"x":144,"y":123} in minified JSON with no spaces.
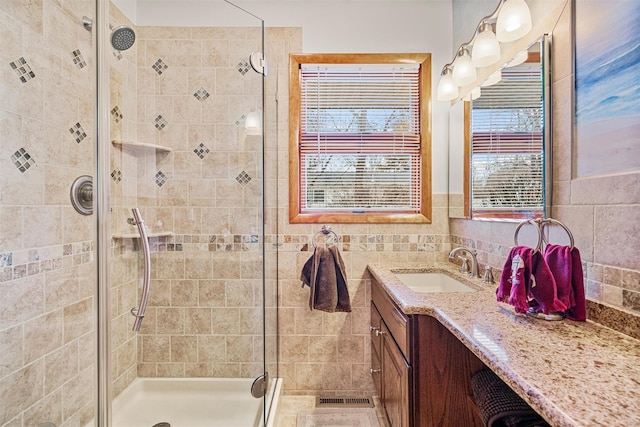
{"x":15,"y":265}
{"x":366,"y":242}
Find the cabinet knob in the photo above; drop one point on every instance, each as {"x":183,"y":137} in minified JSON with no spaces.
{"x":375,"y":371}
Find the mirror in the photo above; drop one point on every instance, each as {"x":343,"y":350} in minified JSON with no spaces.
{"x":499,"y":144}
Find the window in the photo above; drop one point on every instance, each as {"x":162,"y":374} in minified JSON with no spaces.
{"x":360,"y":138}
{"x":507,"y":146}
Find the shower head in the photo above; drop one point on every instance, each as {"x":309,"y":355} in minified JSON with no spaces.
{"x":122,"y":38}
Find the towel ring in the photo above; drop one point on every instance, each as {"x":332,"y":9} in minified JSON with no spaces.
{"x":546,"y":221}
{"x":538,"y":228}
{"x":326,"y":230}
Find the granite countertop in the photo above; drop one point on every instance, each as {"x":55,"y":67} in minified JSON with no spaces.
{"x":571,"y":373}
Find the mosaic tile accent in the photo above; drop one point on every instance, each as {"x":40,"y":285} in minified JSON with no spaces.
{"x":161,"y":123}
{"x":243,"y":178}
{"x":78,"y":59}
{"x":201,"y":151}
{"x":201,"y":94}
{"x":117,"y":54}
{"x":160,"y":178}
{"x":243,"y":67}
{"x":159,"y":66}
{"x":78,"y":132}
{"x":22,"y":159}
{"x":241,"y":121}
{"x":6,"y":259}
{"x":116,"y":175}
{"x":209,"y":243}
{"x":57,"y":259}
{"x":22,"y":69}
{"x":116,"y":114}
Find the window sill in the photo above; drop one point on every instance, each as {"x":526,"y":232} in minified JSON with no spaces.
{"x":364,"y":218}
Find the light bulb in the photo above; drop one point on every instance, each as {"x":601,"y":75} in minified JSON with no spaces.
{"x":492,"y":79}
{"x":464,"y":72}
{"x":514,"y":21}
{"x":486,"y":48}
{"x":447,"y":90}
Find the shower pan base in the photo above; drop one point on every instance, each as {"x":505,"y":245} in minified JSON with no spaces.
{"x":187,"y":402}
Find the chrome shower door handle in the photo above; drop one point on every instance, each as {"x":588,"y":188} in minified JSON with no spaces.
{"x":138,"y":312}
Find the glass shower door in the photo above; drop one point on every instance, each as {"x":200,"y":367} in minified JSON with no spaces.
{"x":186,"y":140}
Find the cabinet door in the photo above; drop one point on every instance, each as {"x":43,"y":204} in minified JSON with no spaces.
{"x":395,"y":380}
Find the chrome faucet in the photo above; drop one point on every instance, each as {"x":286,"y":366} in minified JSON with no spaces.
{"x":474,"y":261}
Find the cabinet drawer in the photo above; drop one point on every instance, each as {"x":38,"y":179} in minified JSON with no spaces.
{"x":394,"y":319}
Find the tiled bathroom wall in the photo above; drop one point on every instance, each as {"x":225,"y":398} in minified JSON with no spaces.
{"x":329,"y":353}
{"x":601,"y":212}
{"x":47,"y":266}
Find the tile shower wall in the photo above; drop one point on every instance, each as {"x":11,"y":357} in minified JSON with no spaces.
{"x":194,"y":90}
{"x":602,"y":213}
{"x":47,"y":267}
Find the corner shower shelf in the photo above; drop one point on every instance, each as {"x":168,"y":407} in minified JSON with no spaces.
{"x":141,"y":146}
{"x":137,"y":236}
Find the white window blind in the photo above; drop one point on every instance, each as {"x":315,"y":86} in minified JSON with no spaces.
{"x":507,"y":143}
{"x":359,"y":142}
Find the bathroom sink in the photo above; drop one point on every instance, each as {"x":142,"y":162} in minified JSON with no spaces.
{"x":432,"y":282}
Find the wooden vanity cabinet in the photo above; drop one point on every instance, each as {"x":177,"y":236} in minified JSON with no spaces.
{"x":421,"y":371}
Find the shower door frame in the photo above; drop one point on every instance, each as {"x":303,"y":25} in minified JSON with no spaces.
{"x":103,"y":223}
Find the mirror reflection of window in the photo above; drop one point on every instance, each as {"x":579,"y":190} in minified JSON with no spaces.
{"x":507,"y":144}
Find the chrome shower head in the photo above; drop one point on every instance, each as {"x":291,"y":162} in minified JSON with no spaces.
{"x":122,"y":38}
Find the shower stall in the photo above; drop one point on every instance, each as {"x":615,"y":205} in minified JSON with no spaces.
{"x":137,"y":272}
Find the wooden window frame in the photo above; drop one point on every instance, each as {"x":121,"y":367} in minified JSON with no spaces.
{"x":295,"y":214}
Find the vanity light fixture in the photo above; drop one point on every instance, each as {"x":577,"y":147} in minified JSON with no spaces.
{"x":518,"y":59}
{"x":447,"y":90}
{"x":464,"y":72}
{"x":514,"y":20}
{"x":474,"y":94}
{"x":492,"y":79}
{"x":486,"y":48}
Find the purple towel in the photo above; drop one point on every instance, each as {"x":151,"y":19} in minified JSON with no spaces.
{"x":566,"y":266}
{"x":526,"y":281}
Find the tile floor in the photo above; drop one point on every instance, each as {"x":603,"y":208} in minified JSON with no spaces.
{"x":290,"y":405}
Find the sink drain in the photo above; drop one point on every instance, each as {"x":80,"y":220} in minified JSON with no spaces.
{"x":162,"y":424}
